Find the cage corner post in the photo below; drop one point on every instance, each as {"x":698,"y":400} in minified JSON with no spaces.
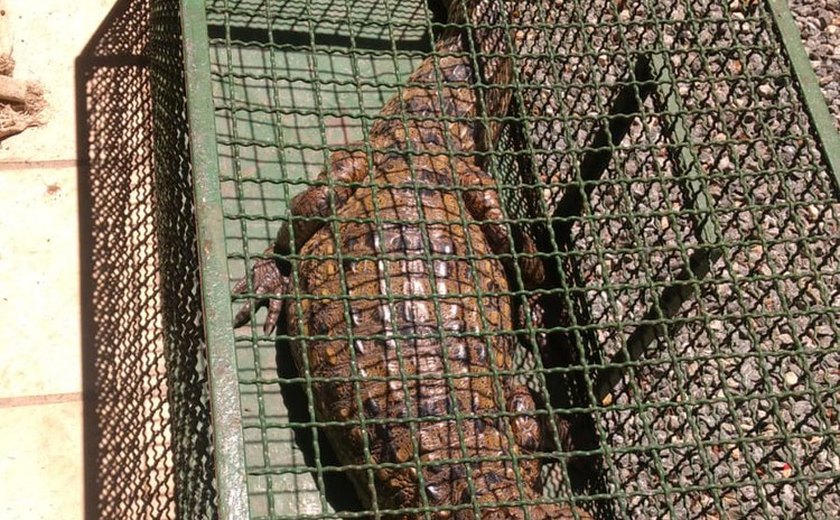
{"x":809,"y":87}
{"x":224,"y":395}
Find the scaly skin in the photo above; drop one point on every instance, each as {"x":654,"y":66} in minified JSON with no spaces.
{"x":429,"y":323}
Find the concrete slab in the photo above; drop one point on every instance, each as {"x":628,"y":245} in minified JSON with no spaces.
{"x":39,"y":283}
{"x":41,"y":413}
{"x":41,"y":473}
{"x":47,"y":36}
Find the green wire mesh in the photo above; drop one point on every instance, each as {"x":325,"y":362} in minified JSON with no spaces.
{"x":147,"y":440}
{"x":181,"y":312}
{"x":660,"y":154}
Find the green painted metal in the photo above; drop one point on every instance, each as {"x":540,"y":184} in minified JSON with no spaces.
{"x":225,"y":404}
{"x":661,"y":171}
{"x":699,"y":262}
{"x":823,"y":121}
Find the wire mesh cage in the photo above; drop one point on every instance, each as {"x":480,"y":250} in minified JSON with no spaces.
{"x":661,"y":163}
{"x":147,"y":440}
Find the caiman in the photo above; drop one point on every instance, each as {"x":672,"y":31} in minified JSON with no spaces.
{"x":397,"y":262}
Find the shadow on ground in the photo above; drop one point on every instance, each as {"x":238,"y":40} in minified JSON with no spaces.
{"x":147,"y":448}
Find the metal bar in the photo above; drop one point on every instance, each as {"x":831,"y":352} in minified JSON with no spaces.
{"x":218,"y":321}
{"x":809,"y":86}
{"x":700,"y":262}
{"x":687,"y":165}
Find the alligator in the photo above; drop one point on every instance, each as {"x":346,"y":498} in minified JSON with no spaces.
{"x":393,"y":274}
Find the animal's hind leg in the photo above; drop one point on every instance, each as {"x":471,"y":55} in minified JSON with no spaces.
{"x":322,"y":200}
{"x":481,"y":198}
{"x":527,"y":431}
{"x":270,"y":276}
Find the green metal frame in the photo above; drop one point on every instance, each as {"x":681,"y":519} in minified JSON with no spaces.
{"x":225,"y":406}
{"x":809,"y":86}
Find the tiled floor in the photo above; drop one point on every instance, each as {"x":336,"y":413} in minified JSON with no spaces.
{"x":39,"y":276}
{"x":41,"y":464}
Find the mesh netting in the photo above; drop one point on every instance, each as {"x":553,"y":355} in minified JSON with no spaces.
{"x":683,"y":346}
{"x":147,"y":438}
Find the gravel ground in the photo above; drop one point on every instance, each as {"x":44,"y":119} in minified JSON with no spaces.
{"x":819,"y":22}
{"x":733,"y":412}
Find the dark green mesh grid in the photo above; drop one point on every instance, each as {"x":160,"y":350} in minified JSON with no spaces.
{"x":195,"y":491}
{"x":661,"y":155}
{"x":147,"y":436}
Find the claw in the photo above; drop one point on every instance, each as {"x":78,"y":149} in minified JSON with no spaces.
{"x":274,"y":308}
{"x":267,"y":280}
{"x":243,"y":316}
{"x":240,"y":286}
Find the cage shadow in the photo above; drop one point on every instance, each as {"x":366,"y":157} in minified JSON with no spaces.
{"x":562,"y":310}
{"x":147,"y":445}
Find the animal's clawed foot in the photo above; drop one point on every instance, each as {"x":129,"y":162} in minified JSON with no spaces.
{"x":269,"y":284}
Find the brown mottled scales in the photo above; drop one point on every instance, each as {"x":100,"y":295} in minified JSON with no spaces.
{"x":429,"y":323}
